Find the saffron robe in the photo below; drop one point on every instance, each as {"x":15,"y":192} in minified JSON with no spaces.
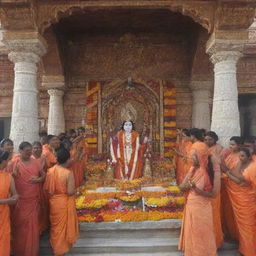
{"x":227,"y":190}
{"x":216,"y":151}
{"x":126,"y":168}
{"x":15,"y":157}
{"x":5,"y":229}
{"x":243,"y":199}
{"x":63,"y":218}
{"x":26,"y":211}
{"x":197,"y":233}
{"x":78,"y":164}
{"x":182,"y":165}
{"x":49,"y":155}
{"x":43,"y":200}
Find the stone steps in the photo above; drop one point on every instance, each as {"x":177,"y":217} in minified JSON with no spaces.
{"x":156,"y":238}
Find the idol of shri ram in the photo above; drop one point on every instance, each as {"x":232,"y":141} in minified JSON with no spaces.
{"x":127,"y":153}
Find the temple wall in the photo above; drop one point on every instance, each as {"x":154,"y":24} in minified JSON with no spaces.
{"x":113,"y":60}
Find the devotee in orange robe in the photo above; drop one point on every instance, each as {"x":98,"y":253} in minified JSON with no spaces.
{"x":182,"y":150}
{"x":7,"y":188}
{"x":215,"y":149}
{"x":79,"y":157}
{"x":228,"y":188}
{"x":197,"y":234}
{"x":27,"y":176}
{"x":44,"y":209}
{"x":53,"y":143}
{"x":243,"y":201}
{"x":60,"y":185}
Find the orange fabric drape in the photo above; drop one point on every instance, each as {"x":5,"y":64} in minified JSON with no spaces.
{"x":26,"y":211}
{"x":63,"y":218}
{"x":140,"y":161}
{"x":216,"y":151}
{"x":77,"y":166}
{"x":15,"y":157}
{"x":43,"y":200}
{"x":182,"y":164}
{"x":120,"y":161}
{"x":5,"y":230}
{"x":197,"y":232}
{"x":49,"y":155}
{"x":227,"y":187}
{"x":243,"y":200}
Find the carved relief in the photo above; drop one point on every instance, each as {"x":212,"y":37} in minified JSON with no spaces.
{"x":201,"y":13}
{"x":234,"y":17}
{"x":17,"y":18}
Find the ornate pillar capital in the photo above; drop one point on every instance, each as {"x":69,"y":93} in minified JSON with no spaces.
{"x":24,"y":46}
{"x":55,"y":92}
{"x":226,"y":40}
{"x":53,"y":82}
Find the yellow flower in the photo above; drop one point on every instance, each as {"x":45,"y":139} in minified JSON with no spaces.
{"x":82,"y":202}
{"x":131,"y":198}
{"x":175,"y":189}
{"x":158,"y":202}
{"x":179,"y":200}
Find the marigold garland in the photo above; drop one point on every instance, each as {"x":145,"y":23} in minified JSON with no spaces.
{"x":82,"y":202}
{"x":131,"y":216}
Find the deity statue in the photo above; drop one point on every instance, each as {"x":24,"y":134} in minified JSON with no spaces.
{"x":127,"y":153}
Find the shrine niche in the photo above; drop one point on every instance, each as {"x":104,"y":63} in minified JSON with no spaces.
{"x":134,"y":102}
{"x":151,"y":105}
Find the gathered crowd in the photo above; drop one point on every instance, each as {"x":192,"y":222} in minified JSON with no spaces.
{"x":220,"y":189}
{"x":38,"y":187}
{"x":37,"y":192}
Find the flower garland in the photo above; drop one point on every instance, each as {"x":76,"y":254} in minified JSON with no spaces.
{"x":130,"y":216}
{"x":81,"y":203}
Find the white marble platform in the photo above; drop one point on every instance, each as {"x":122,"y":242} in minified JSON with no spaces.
{"x":156,"y":238}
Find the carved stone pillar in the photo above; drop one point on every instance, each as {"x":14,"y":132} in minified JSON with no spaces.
{"x":201,"y":116}
{"x":56,"y":120}
{"x":225,"y":113}
{"x":25,"y":51}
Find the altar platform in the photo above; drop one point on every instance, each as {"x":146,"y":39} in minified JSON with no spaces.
{"x":156,"y":238}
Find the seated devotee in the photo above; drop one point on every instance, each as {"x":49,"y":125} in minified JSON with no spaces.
{"x":44,"y":209}
{"x":182,"y":150}
{"x":43,"y":137}
{"x":8,"y":196}
{"x":202,"y":182}
{"x":53,"y":143}
{"x":60,"y":185}
{"x":230,"y":162}
{"x":27,"y":176}
{"x":244,"y":201}
{"x":215,"y":149}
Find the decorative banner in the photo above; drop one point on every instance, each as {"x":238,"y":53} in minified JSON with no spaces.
{"x":91,"y":117}
{"x":169,"y":102}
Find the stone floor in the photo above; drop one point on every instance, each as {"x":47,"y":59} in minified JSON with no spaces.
{"x":156,"y":238}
